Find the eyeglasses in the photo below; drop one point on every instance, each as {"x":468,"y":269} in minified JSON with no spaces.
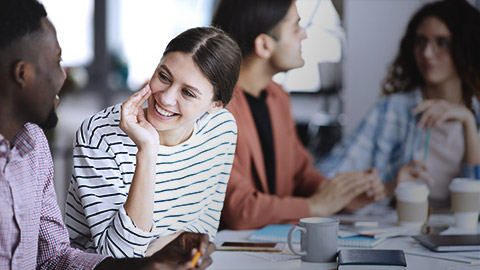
{"x":439,"y":45}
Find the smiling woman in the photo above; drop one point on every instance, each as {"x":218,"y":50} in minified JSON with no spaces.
{"x":141,"y":175}
{"x":180,"y":95}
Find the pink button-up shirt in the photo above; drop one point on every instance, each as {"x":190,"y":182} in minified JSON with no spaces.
{"x":32,"y":233}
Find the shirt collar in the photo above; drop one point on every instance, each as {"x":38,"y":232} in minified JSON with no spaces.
{"x":23,"y":141}
{"x":4,"y":146}
{"x":418,"y":96}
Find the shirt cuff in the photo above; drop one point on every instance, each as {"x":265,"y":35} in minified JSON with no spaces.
{"x":131,"y":233}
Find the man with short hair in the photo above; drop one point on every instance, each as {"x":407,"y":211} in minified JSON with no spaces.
{"x":32,"y":233}
{"x":273,"y":179}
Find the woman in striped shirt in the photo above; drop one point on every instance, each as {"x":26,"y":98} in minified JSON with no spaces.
{"x":141,"y":176}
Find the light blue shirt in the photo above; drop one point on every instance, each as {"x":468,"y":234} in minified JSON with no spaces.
{"x":386,"y":139}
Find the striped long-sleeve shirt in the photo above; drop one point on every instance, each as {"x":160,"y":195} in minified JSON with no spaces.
{"x":191,"y":180}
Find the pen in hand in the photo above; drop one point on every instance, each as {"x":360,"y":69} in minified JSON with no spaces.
{"x":195,"y":259}
{"x":418,"y":165}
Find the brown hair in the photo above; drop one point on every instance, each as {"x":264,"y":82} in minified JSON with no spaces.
{"x":463,"y":22}
{"x":215,"y":53}
{"x":244,"y":20}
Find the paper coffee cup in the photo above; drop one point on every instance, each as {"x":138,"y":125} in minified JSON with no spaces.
{"x":465,"y":200}
{"x":412,"y":204}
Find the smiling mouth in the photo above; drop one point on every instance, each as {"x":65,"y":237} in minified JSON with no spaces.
{"x":163,"y":112}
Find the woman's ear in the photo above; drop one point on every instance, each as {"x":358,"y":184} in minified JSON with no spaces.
{"x":264,"y":45}
{"x":217,"y":105}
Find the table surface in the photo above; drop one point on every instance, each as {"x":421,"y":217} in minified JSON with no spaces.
{"x":417,"y":257}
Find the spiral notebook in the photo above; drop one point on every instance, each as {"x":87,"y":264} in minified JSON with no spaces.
{"x":279,"y":233}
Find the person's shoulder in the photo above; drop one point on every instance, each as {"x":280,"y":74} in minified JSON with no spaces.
{"x":222,"y":119}
{"x":404,"y":97}
{"x":104,"y":122}
{"x":108,"y":115}
{"x":238,"y":100}
{"x":400,"y":102}
{"x":222,"y":115}
{"x":35,"y":133}
{"x":33,"y":130}
{"x":34,"y":138}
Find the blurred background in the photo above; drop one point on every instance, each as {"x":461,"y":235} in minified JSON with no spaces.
{"x":111,"y":47}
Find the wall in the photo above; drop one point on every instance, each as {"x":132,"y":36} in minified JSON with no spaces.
{"x":373,"y":29}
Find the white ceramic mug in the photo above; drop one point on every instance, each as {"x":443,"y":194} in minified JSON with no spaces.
{"x":318,"y":240}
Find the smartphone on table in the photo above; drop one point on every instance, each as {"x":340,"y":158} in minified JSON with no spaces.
{"x":250,"y":246}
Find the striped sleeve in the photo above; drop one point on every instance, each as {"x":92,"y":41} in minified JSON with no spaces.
{"x":208,"y":222}
{"x":98,"y":190}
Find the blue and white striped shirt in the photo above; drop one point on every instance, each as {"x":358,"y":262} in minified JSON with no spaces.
{"x":191,"y":180}
{"x":386,"y":139}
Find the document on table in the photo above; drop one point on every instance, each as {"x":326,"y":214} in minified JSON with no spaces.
{"x":273,"y":257}
{"x":378,"y":231}
{"x":472,"y":257}
{"x":379,"y":211}
{"x":466,"y":267}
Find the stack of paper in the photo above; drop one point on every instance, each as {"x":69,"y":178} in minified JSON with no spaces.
{"x":359,"y":241}
{"x":379,"y":231}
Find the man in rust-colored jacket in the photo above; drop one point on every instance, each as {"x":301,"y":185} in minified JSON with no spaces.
{"x":273,"y":179}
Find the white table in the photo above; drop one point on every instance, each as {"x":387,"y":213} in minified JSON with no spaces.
{"x":230,"y":260}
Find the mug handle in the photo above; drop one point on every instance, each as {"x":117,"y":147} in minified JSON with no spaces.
{"x":290,"y":239}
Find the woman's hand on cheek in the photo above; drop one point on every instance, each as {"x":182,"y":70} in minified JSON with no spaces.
{"x":134,"y":123}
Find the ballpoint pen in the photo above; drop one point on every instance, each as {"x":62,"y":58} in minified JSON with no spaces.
{"x":427,"y":142}
{"x":195,"y":259}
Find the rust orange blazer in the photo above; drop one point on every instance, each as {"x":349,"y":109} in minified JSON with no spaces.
{"x":248,"y":203}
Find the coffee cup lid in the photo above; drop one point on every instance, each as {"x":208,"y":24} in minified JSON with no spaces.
{"x":464,"y":185}
{"x":412,"y":192}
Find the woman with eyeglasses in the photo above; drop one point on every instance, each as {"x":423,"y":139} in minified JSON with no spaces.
{"x":426,"y":127}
